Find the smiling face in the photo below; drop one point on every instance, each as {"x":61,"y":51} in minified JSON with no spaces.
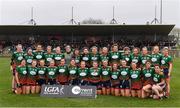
{"x":42,"y":63}
{"x":34,"y":63}
{"x":123,"y":63}
{"x":115,"y":48}
{"x":133,"y":65}
{"x":58,"y":50}
{"x":52,"y":63}
{"x":135,"y":51}
{"x":85,"y":51}
{"x":19,"y":48}
{"x":104,"y":50}
{"x":157,"y":69}
{"x":115,"y":66}
{"x":105,"y":63}
{"x":76,"y":52}
{"x":83,"y":64}
{"x":95,"y":64}
{"x":156,"y":49}
{"x":148,"y":64}
{"x":73,"y":63}
{"x":49,"y":49}
{"x":23,"y":62}
{"x":165,"y":51}
{"x":144,"y":51}
{"x":39,"y":48}
{"x":62,"y":62}
{"x":29,"y":51}
{"x":94,"y":50}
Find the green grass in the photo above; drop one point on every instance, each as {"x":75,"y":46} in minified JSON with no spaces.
{"x":8,"y":99}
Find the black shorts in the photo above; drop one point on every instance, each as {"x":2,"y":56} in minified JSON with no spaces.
{"x":98,"y":85}
{"x":41,"y":82}
{"x":124,"y":84}
{"x":166,"y":72}
{"x":83,"y":82}
{"x":51,"y":81}
{"x":74,"y":82}
{"x":106,"y":84}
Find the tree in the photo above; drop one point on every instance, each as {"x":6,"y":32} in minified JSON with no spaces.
{"x":92,"y":21}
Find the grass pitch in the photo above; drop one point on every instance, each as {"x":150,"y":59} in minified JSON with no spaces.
{"x":8,"y":99}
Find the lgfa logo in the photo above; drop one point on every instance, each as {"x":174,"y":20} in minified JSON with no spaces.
{"x":54,"y":90}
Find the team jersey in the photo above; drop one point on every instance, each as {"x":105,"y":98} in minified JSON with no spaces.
{"x":22,"y":71}
{"x":165,"y":61}
{"x":115,"y":75}
{"x":77,"y":59}
{"x":94,"y":74}
{"x":104,"y":57}
{"x":126,"y":57}
{"x":157,"y":78}
{"x":115,"y":56}
{"x":135,"y":58}
{"x":124,"y":73}
{"x":38,"y":55}
{"x":42,"y":72}
{"x":85,"y":57}
{"x":63,"y":70}
{"x":58,"y":57}
{"x":17,"y":57}
{"x":106,"y":72}
{"x":147,"y":73}
{"x":73,"y":71}
{"x":144,"y":58}
{"x":156,"y":59}
{"x":94,"y":57}
{"x":48,"y":57}
{"x":83,"y":73}
{"x":28,"y":59}
{"x":135,"y":75}
{"x":51,"y":72}
{"x":32,"y":71}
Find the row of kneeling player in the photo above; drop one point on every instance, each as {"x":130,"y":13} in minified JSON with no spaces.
{"x":115,"y":80}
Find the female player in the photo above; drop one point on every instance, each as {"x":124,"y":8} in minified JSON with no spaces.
{"x":16,"y":59}
{"x":58,"y":55}
{"x":29,"y":57}
{"x":166,"y":65}
{"x":136,"y":84}
{"x":135,"y":56}
{"x":85,"y":56}
{"x":38,"y":53}
{"x":83,"y":73}
{"x":124,"y":79}
{"x":115,"y":82}
{"x":51,"y":73}
{"x":156,"y":56}
{"x":115,"y":55}
{"x":106,"y":78}
{"x":147,"y":74}
{"x":94,"y":55}
{"x":48,"y":56}
{"x":73,"y":77}
{"x":62,"y":75}
{"x":144,"y":56}
{"x":31,"y":80}
{"x":159,"y":83}
{"x":126,"y":56}
{"x":41,"y":78}
{"x":21,"y":78}
{"x":104,"y":55}
{"x":77,"y":57}
{"x":95,"y":76}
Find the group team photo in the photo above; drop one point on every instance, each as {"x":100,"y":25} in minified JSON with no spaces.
{"x":137,"y":73}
